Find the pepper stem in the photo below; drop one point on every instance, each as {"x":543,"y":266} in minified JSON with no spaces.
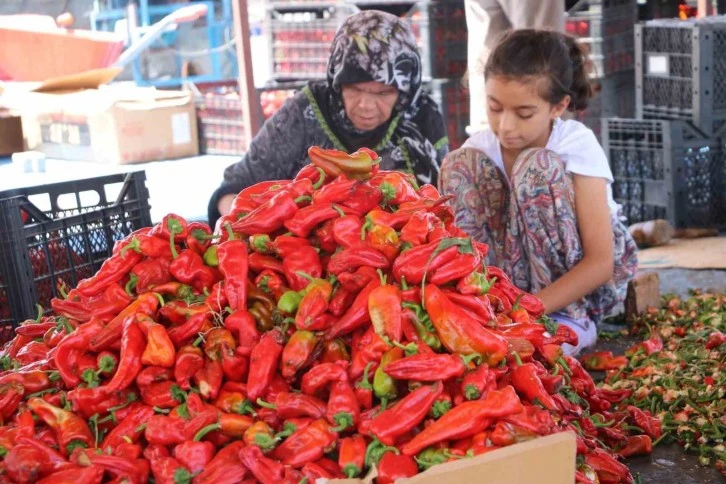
{"x":40,"y":313}
{"x":344,"y":421}
{"x":364,"y":383}
{"x":63,"y":290}
{"x":172,"y":245}
{"x":564,"y":365}
{"x":339,"y":210}
{"x":205,"y":430}
{"x":469,"y":358}
{"x":517,"y":358}
{"x":265,"y":404}
{"x":230,"y":232}
{"x":131,"y":285}
{"x":404,"y":284}
{"x":303,"y":198}
{"x":410,"y":349}
{"x":305,"y":275}
{"x":321,"y":180}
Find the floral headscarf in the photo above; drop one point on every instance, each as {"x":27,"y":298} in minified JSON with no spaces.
{"x":375,"y":46}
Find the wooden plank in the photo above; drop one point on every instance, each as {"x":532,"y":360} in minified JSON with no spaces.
{"x":250,"y":104}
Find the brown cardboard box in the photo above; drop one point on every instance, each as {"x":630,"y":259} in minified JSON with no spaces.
{"x":79,"y":118}
{"x":11,"y":133}
{"x":547,"y":460}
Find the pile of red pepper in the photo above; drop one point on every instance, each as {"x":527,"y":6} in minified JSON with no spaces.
{"x":333,"y":324}
{"x":678,"y":373}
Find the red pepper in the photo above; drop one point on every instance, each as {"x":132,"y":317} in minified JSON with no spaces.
{"x":356,"y":316}
{"x":146,"y":304}
{"x":29,"y":460}
{"x":355,"y":281}
{"x":225,"y":466}
{"x":580,"y":379}
{"x":314,"y":302}
{"x":394,"y":220}
{"x":477,"y":383}
{"x":320,"y":376}
{"x":363,"y":198}
{"x":134,"y":470}
{"x":395,"y":187}
{"x":264,"y":360}
{"x":74,"y":475}
{"x":307,"y":218}
{"x":351,"y":455}
{"x":150,"y":273}
{"x":458,"y":333}
{"x":466,"y":419}
{"x":155,"y":385}
{"x":456,"y":269}
{"x":243,"y":326}
{"x":393,"y":423}
{"x":209,"y":379}
{"x":132,"y":348}
{"x":265,"y":470}
{"x":128,"y":428}
{"x":306,"y":445}
{"x":506,"y":290}
{"x":232,"y":398}
{"x":383,"y":239}
{"x":369,"y":349}
{"x":384,"y":309}
{"x":268,"y":217}
{"x":194,"y":455}
{"x":233,"y":263}
{"x":284,"y":245}
{"x":358,"y":165}
{"x":348,"y":260}
{"x":414,"y":264}
{"x":650,"y":425}
{"x":189,"y":268}
{"x":525,"y":379}
{"x":650,"y":346}
{"x":159,"y":349}
{"x":416,"y":231}
{"x":112,"y":271}
{"x":429,"y":367}
{"x":340,"y":301}
{"x":603,"y":360}
{"x":393,"y":467}
{"x":715,"y":339}
{"x":476,"y":283}
{"x":637,"y":445}
{"x":478,"y":307}
{"x":189,"y":360}
{"x":334,"y":350}
{"x":343,"y":408}
{"x":71,"y":430}
{"x":505,"y":433}
{"x":347,"y":231}
{"x":608,"y":469}
{"x":259,"y":263}
{"x":303,"y":259}
{"x":292,"y":405}
{"x":298,"y":353}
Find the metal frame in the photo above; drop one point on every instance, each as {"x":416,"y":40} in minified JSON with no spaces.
{"x":101,"y":20}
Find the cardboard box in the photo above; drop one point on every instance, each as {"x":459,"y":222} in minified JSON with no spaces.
{"x":546,"y":460}
{"x":11,"y":133}
{"x":79,"y":118}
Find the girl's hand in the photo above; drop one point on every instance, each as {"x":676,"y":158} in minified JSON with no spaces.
{"x":594,"y":226}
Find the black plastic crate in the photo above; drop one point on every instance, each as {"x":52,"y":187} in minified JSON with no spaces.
{"x":614,"y":98}
{"x":665,"y":169}
{"x":58,"y":234}
{"x":605,"y":29}
{"x":681,"y":71}
{"x":453,"y":100}
{"x":440,"y":30}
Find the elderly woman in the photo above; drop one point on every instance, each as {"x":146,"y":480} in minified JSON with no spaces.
{"x":371,"y":98}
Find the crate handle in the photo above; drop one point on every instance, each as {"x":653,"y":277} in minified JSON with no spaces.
{"x":125,"y":188}
{"x":34,"y":211}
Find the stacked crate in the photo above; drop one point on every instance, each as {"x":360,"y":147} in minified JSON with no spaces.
{"x":604,"y":28}
{"x":669,"y":162}
{"x":300,"y":34}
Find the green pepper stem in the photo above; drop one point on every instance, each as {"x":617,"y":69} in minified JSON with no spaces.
{"x":321,"y":180}
{"x":205,"y":430}
{"x":339,"y":210}
{"x":303,"y":198}
{"x":40,"y":313}
{"x":230,"y":232}
{"x":265,"y":404}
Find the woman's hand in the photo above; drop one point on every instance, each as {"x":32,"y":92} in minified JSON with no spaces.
{"x":225,"y":204}
{"x":596,"y":234}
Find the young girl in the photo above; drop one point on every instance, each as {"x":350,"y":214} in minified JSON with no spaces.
{"x":537,"y":188}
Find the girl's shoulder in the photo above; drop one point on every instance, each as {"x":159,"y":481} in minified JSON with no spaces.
{"x":571,"y":131}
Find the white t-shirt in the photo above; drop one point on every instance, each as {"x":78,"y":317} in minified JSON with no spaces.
{"x":574,"y":142}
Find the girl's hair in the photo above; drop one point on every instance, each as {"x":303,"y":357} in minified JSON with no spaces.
{"x":530,"y":54}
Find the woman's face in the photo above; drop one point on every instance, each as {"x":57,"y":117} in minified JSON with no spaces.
{"x":369,"y":104}
{"x":518,"y":115}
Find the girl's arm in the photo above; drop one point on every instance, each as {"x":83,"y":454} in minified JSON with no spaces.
{"x":595,"y":230}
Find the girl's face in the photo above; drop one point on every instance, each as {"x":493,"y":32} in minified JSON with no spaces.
{"x":369,"y":104}
{"x":518,"y":115}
